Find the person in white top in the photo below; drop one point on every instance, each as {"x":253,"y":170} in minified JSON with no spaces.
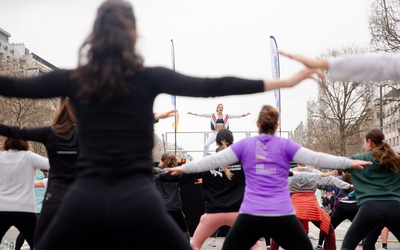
{"x":17,"y":198}
{"x":219,"y":120}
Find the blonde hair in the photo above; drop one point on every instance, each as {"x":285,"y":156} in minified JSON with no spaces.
{"x":218,"y":106}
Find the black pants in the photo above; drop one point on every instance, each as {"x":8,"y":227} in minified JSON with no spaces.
{"x":47,"y":213}
{"x":179,"y":218}
{"x":371,"y":215}
{"x":287,"y":231}
{"x":25,"y":222}
{"x":342,"y":212}
{"x":113,"y":209}
{"x":370,"y":240}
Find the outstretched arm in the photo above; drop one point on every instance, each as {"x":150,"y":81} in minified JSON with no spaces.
{"x":164,"y":115}
{"x":367,"y":67}
{"x":303,"y":177}
{"x":223,"y":158}
{"x":54,"y":84}
{"x":24,"y":133}
{"x":201,"y":115}
{"x":167,"y":81}
{"x":239,"y":116}
{"x":322,"y":160}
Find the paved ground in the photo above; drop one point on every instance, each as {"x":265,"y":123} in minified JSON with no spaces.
{"x":340,"y":231}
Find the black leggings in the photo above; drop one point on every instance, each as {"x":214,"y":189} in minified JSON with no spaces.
{"x":25,"y":222}
{"x":371,"y":215}
{"x":113,"y":204}
{"x":179,"y":218}
{"x":287,"y":231}
{"x":343,"y":211}
{"x":46,"y":215}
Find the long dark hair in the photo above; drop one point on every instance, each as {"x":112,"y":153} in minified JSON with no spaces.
{"x":382,"y":151}
{"x":111,"y":60}
{"x":65,"y":118}
{"x":224,"y":139}
{"x":268,"y":119}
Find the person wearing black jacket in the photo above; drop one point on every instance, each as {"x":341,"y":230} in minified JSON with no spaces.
{"x":170,"y":193}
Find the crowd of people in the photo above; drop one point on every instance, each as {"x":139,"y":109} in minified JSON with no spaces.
{"x":99,"y":148}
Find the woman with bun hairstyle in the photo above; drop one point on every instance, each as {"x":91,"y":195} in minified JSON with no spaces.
{"x":113,"y":95}
{"x":219,"y":120}
{"x":223,"y":190}
{"x":266,"y":163}
{"x":377,"y":189}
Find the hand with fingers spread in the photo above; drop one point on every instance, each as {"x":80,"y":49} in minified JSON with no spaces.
{"x":309,"y":62}
{"x":293,"y":80}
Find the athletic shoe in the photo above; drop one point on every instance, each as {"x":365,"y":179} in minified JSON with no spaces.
{"x":212,"y":243}
{"x":268,"y":247}
{"x":318,"y":248}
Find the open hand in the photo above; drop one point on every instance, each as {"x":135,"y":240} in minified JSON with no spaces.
{"x":175,"y":170}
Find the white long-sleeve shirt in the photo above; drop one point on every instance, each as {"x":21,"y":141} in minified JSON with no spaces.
{"x":17,"y":171}
{"x":369,"y":67}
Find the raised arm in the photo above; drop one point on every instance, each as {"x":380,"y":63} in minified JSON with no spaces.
{"x":322,"y":160}
{"x":25,"y":133}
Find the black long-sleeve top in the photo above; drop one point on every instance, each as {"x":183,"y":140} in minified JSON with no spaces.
{"x":62,"y":150}
{"x":220,"y":194}
{"x":119,"y":132}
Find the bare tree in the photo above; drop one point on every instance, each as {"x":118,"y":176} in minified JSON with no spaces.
{"x":384,"y":25}
{"x":341,"y":109}
{"x":22,"y":111}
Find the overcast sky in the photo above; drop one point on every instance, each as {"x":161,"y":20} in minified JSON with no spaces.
{"x":212,"y":38}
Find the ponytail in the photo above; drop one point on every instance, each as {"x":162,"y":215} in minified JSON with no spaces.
{"x":383,"y":152}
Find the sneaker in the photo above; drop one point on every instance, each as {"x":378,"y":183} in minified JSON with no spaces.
{"x":318,"y":248}
{"x":268,"y":247}
{"x":212,"y":243}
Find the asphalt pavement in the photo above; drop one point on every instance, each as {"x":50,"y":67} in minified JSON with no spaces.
{"x":393,"y":243}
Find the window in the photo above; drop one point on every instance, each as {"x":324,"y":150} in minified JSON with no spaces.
{"x":390,"y":142}
{"x":397,"y":141}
